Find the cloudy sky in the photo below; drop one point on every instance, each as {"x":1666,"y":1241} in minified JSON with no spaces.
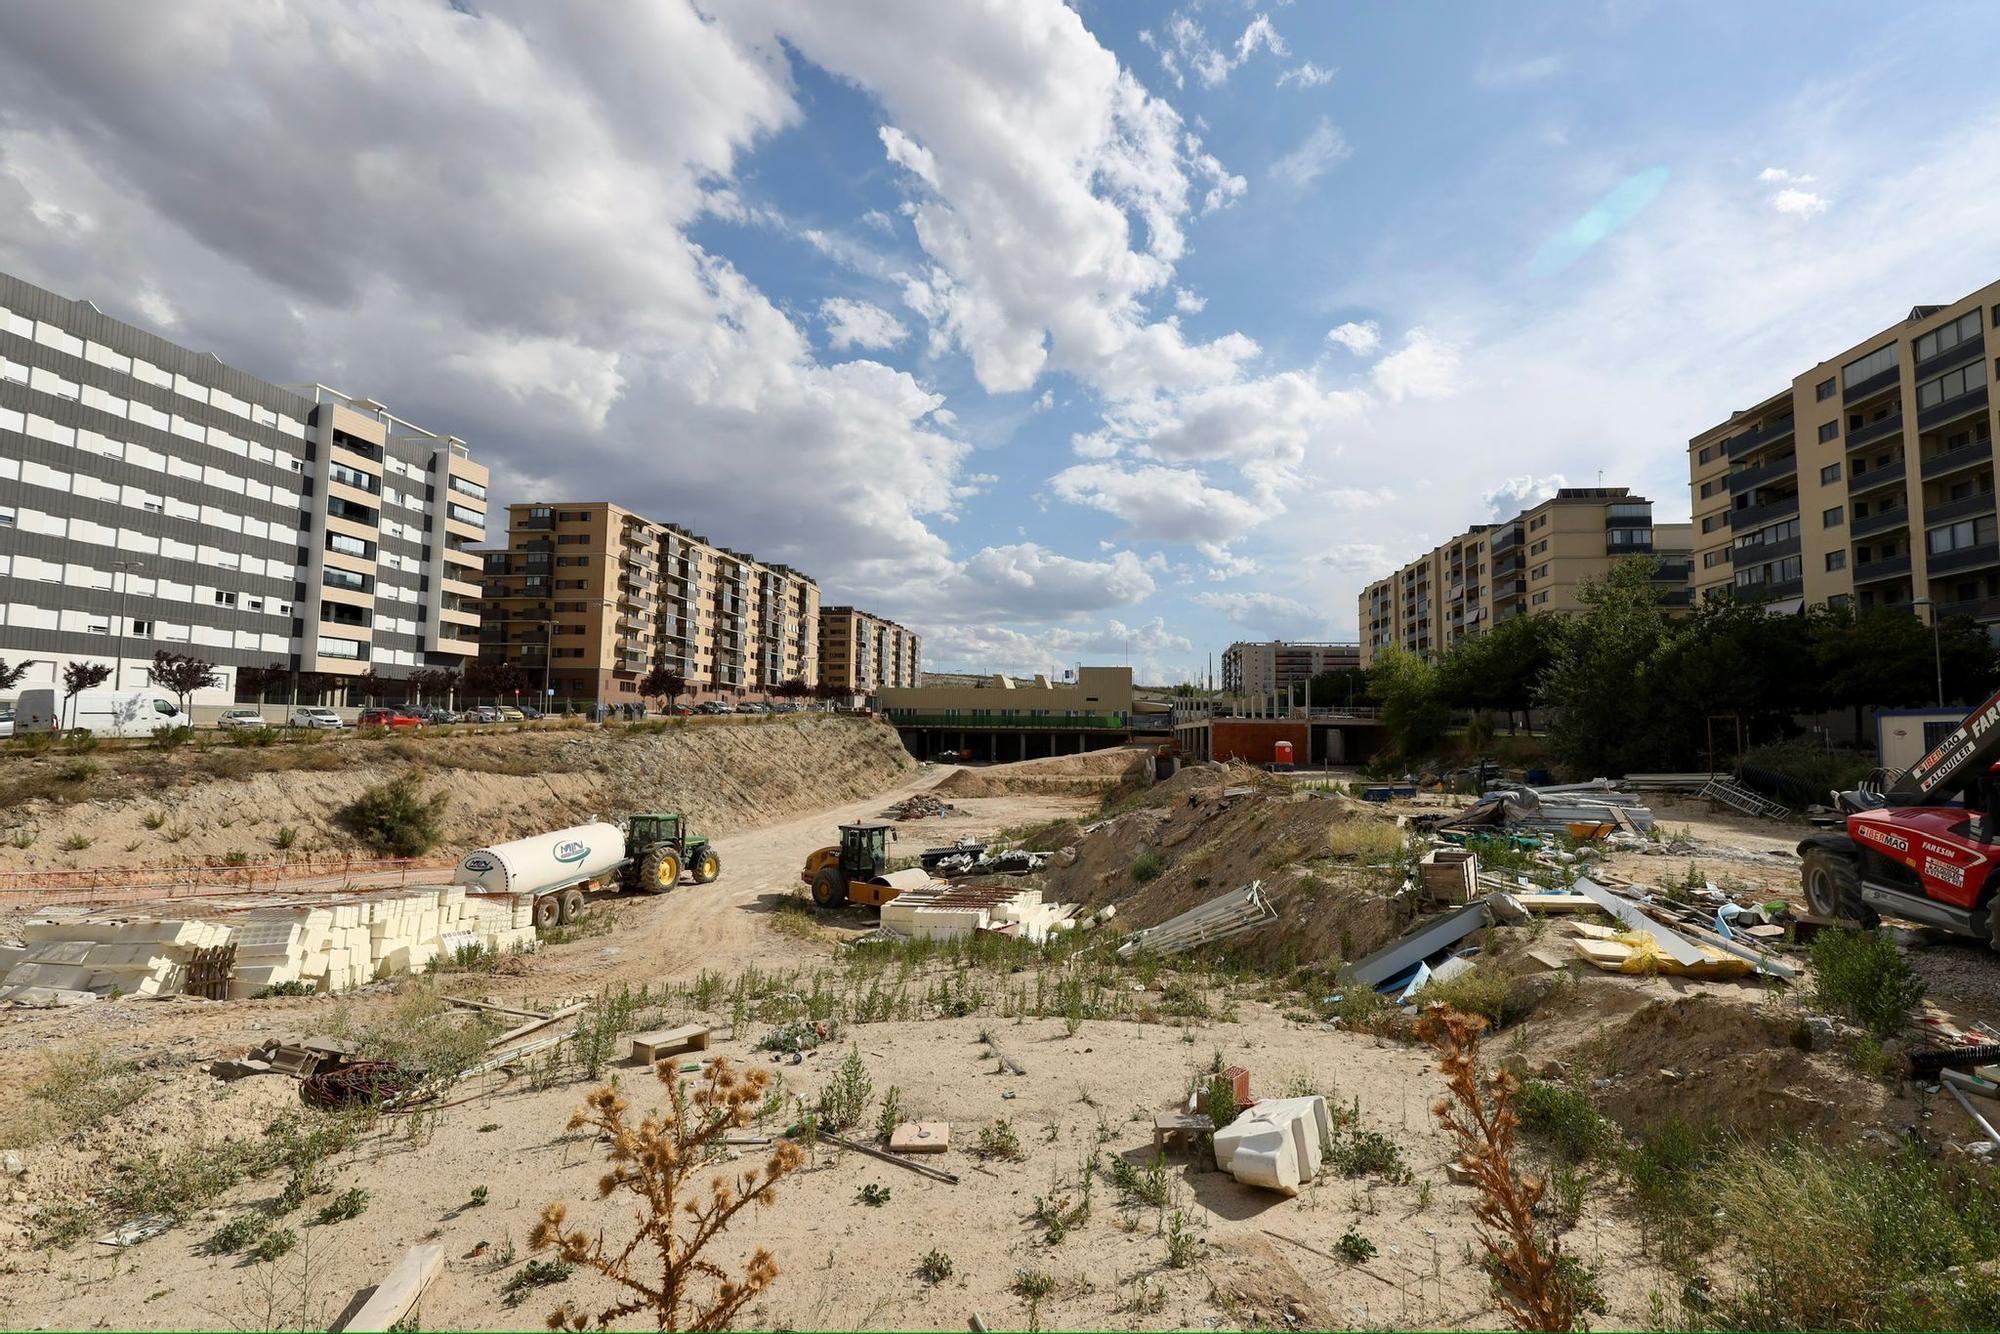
{"x":1059,"y":332}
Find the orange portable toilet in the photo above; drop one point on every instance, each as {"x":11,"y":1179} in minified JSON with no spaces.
{"x":1282,"y":754}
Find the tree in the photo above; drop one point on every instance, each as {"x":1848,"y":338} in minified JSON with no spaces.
{"x":1887,"y":658}
{"x":79,"y":676}
{"x":1413,"y":711}
{"x":1338,"y":688}
{"x":371,"y":683}
{"x":662,"y":683}
{"x":1499,"y":669}
{"x":182,"y":675}
{"x":11,"y":676}
{"x":316,"y":685}
{"x":1593,"y":676}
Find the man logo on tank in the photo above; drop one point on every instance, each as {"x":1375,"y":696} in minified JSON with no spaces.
{"x":478,"y":865}
{"x":572,"y":850}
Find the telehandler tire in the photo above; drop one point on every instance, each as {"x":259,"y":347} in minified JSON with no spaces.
{"x":1833,"y":887}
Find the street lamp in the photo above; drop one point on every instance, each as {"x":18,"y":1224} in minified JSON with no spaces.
{"x":548,"y":625}
{"x":124,"y":568}
{"x":1937,"y":648}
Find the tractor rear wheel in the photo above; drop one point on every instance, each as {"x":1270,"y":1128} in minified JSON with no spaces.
{"x":707,"y":866}
{"x":548,"y":911}
{"x":830,"y":887}
{"x":1833,"y":887}
{"x":660,"y":871}
{"x":572,"y":905}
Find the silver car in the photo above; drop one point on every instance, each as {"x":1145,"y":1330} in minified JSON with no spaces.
{"x":236,"y":718}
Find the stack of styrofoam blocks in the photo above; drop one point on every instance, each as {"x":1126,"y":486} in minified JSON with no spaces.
{"x":946,"y":912}
{"x":106,"y":955}
{"x":1275,"y":1143}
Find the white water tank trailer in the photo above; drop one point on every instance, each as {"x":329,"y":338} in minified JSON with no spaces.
{"x":544,"y":862}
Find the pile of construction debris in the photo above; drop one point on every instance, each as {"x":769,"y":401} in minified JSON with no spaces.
{"x":920,"y":806}
{"x":1006,"y":861}
{"x":326,"y":945}
{"x":1581,"y":810}
{"x":947,"y":912}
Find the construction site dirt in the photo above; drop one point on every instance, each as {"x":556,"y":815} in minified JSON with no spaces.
{"x":1042,"y":1226}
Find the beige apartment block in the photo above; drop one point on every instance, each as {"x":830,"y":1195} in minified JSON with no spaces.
{"x":1535,"y":562}
{"x":1278,"y":664}
{"x":594,"y":596}
{"x":1868,"y":480}
{"x":863,"y":654}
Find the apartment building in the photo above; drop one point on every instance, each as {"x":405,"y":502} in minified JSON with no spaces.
{"x":863,"y":654}
{"x":1280,"y":664}
{"x":1534,"y":562}
{"x":592,"y":596}
{"x":155,"y":498}
{"x":1868,"y":479}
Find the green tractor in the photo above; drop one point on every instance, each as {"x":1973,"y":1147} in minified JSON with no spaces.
{"x":658,"y":848}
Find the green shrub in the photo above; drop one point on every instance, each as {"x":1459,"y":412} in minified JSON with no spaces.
{"x":253,"y":736}
{"x":79,"y":740}
{"x":1473,"y":991}
{"x":350,"y":1203}
{"x":998,"y":1140}
{"x":1147,"y":867}
{"x":1809,"y":773}
{"x":274,"y":1245}
{"x":171,"y":738}
{"x":1355,"y":1152}
{"x":1355,"y":1247}
{"x":293,"y":988}
{"x":395,"y":817}
{"x":1863,"y":976}
{"x":844,"y":1100}
{"x":534,"y":1274}
{"x":77,"y":771}
{"x":1839,"y":1238}
{"x":1564,"y":1115}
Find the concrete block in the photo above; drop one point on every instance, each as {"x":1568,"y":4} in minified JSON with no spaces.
{"x":920,"y":1137}
{"x":650,"y":1047}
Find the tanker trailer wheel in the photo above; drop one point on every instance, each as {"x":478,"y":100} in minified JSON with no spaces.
{"x":660,"y":871}
{"x":548,"y":911}
{"x":572,"y":905}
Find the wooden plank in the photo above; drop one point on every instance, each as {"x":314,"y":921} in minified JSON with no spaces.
{"x":1013,"y":1066}
{"x":396,"y":1296}
{"x":463,"y":1003}
{"x":1555,"y":902}
{"x":533,"y":1024}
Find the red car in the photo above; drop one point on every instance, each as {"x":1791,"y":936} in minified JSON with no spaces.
{"x":391,"y":718}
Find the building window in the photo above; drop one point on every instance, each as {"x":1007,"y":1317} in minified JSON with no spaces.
{"x":1830,"y":473}
{"x":1831,"y":519}
{"x":1711,"y":486}
{"x":1960,"y":536}
{"x":223,"y":599}
{"x":347,"y":546}
{"x":1713,"y":522}
{"x":1824,"y":389}
{"x":1948,"y":337}
{"x":1874,"y":363}
{"x":1951,"y":384}
{"x":1829,"y":430}
{"x":1707,"y":454}
{"x":1836,"y":560}
{"x":1711,"y":559}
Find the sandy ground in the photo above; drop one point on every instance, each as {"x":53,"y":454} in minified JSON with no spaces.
{"x":1262,"y":1261}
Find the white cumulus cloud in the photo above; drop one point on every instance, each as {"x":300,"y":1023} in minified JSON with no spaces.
{"x":1425,"y":366}
{"x":1361,"y":338}
{"x":851,"y":323}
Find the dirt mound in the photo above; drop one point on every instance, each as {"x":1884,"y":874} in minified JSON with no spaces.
{"x":1190,"y":843}
{"x":1719,"y":1060}
{"x":143,"y":806}
{"x":1092,"y":771}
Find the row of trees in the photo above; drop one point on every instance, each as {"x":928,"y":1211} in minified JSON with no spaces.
{"x":475,"y":681}
{"x":1632,"y":689}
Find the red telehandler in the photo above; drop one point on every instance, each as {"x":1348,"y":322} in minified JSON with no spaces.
{"x":1926,"y":846}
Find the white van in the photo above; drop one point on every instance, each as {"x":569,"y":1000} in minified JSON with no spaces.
{"x":139,"y":712}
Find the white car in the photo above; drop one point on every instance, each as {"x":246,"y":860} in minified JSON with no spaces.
{"x":6,"y":722}
{"x":236,"y":718}
{"x":322,"y":719}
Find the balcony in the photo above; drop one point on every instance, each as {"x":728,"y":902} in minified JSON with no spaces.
{"x":546,"y":522}
{"x":1965,"y":456}
{"x":1952,"y":409}
{"x":1968,"y":507}
{"x":1888,"y":567}
{"x":1756,"y":515}
{"x":1870,"y":432}
{"x":1881,"y":521}
{"x":1979,"y":609}
{"x":1507,"y":540}
{"x":1861,"y":483}
{"x":1756,"y":553}
{"x":1783,"y":588}
{"x":1968,"y":349}
{"x":1871,"y":386}
{"x":1676,"y":597}
{"x":1509,"y":565}
{"x":1760,"y":436}
{"x":1965,"y":558}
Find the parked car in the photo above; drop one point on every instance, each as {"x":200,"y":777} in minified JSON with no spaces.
{"x":6,"y":722}
{"x":115,"y":713}
{"x":235,"y":718}
{"x":320,"y":720}
{"x":395,"y":719}
{"x":713,"y":706}
{"x":484,"y":713}
{"x":438,"y":716}
{"x":531,"y":713}
{"x":510,"y":714}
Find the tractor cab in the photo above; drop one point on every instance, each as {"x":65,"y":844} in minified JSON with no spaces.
{"x":864,"y":850}
{"x":644,"y":830}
